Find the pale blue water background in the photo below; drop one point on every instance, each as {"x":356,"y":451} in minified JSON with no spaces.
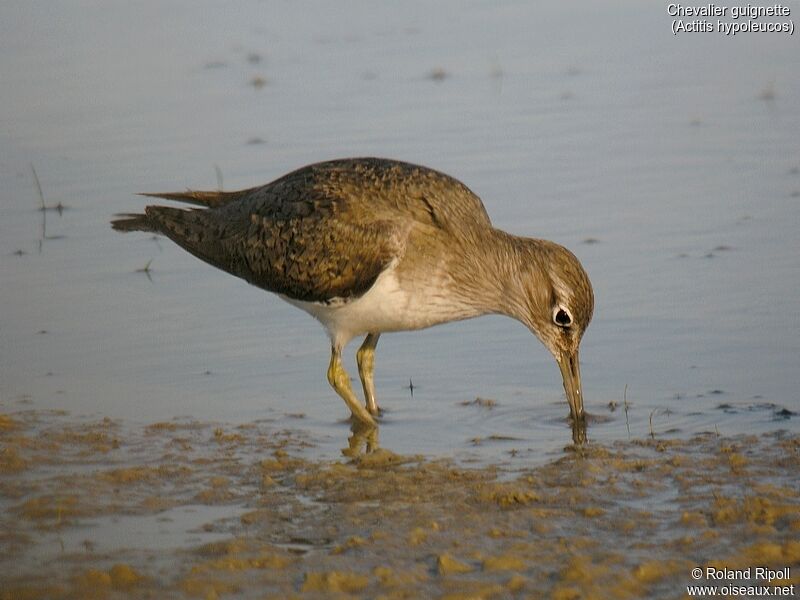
{"x":679,"y":155}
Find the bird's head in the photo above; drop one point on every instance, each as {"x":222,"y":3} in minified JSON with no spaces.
{"x":556,"y":305}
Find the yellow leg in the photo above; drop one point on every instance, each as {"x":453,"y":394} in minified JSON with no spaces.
{"x":340,"y":381}
{"x":363,"y":441}
{"x":366,"y":366}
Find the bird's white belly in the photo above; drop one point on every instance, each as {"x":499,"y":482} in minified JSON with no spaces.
{"x":387,"y":306}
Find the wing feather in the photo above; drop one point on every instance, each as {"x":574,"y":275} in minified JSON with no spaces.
{"x":321,"y":232}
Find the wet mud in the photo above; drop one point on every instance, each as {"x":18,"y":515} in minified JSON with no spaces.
{"x":186,"y":509}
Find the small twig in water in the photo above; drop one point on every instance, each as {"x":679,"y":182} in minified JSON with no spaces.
{"x":411,"y":386}
{"x":656,"y":411}
{"x":652,"y":433}
{"x":625,"y":402}
{"x":146,"y":269}
{"x":38,"y":188}
{"x":42,"y":207}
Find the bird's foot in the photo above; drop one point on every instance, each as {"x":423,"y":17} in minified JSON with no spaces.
{"x":363,"y":441}
{"x":579,"y":436}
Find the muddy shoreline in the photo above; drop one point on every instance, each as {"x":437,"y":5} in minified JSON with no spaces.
{"x":627,"y":520}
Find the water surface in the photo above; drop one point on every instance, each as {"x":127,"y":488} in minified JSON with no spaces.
{"x":670,"y":165}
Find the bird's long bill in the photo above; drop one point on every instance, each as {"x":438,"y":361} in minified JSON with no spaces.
{"x":571,"y":374}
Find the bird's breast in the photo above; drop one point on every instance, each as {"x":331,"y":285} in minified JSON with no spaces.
{"x":393,"y":303}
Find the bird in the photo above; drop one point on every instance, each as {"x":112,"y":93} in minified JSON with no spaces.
{"x":374,"y":245}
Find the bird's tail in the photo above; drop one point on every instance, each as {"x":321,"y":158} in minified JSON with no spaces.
{"x":133,"y":222}
{"x":152,"y":222}
{"x":209,"y":199}
{"x":195,"y":230}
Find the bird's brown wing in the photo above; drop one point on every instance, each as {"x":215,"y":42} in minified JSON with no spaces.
{"x":392,"y":190}
{"x":299,"y":248}
{"x":305,"y":261}
{"x":321,"y":232}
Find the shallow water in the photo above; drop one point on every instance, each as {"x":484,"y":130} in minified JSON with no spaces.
{"x":678,"y":155}
{"x":669,"y":165}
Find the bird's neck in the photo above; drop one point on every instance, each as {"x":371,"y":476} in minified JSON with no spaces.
{"x":497,"y":271}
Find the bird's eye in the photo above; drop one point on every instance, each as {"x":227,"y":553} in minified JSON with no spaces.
{"x":561,"y":317}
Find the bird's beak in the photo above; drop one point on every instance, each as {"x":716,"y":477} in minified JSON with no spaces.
{"x":571,"y":374}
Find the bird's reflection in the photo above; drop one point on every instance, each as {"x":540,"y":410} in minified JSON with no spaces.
{"x":579,"y":437}
{"x":364,"y":440}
